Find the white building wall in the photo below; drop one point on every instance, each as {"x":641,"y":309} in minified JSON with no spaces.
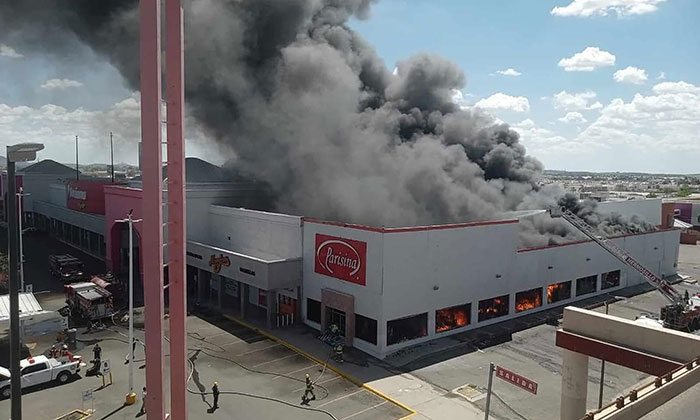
{"x":412,"y":271}
{"x":649,"y":209}
{"x":256,"y":233}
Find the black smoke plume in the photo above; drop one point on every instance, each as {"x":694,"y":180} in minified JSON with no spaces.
{"x":305,"y":104}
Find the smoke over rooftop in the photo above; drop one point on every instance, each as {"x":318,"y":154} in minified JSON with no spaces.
{"x":306,"y":105}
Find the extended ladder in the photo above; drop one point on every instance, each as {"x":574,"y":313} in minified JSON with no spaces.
{"x":660,"y":284}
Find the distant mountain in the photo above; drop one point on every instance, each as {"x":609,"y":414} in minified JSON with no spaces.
{"x":587,"y":173}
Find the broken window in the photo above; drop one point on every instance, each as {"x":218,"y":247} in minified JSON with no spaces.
{"x":493,"y":308}
{"x":528,"y":299}
{"x":610,"y":279}
{"x":558,"y":291}
{"x":454,"y":317}
{"x":586,"y":285}
{"x":366,"y":329}
{"x":313,"y":310}
{"x":405,"y":329}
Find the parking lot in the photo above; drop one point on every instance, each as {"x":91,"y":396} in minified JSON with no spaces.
{"x":258,"y":378}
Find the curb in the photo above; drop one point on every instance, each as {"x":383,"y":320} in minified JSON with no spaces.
{"x":313,"y":358}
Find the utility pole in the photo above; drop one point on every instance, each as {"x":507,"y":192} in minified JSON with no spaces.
{"x":111,"y":148}
{"x":492,"y":367}
{"x":131,"y":395}
{"x":77,"y":171}
{"x":21,"y":196}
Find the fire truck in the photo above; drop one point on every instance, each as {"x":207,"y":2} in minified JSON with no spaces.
{"x":681,"y":313}
{"x":89,"y":301}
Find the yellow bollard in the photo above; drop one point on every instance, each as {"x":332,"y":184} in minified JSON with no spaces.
{"x":130,"y":398}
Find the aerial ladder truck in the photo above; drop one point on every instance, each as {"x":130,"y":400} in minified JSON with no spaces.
{"x":682,"y":313}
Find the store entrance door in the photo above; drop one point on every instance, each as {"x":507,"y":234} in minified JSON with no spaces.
{"x":334,"y":316}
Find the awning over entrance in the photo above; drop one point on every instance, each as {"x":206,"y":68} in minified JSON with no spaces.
{"x":262,"y":273}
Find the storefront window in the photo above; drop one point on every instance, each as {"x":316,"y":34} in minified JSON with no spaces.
{"x":610,"y":279}
{"x":365,"y":329}
{"x":528,"y":299}
{"x":493,"y":308}
{"x":454,"y":317}
{"x":313,"y":310}
{"x":586,"y":285}
{"x":558,"y":291}
{"x":404,"y":329}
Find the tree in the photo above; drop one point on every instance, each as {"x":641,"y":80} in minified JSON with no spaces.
{"x":683,"y":191}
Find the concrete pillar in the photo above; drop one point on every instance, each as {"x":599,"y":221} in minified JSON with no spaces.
{"x":574,"y":385}
{"x":271,"y":308}
{"x":297,"y":309}
{"x":202,"y":291}
{"x":243,"y":291}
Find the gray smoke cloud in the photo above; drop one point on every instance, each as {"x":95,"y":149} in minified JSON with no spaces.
{"x":306,"y":105}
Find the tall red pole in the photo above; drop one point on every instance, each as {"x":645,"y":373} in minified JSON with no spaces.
{"x":152,"y":240}
{"x":174,"y":93}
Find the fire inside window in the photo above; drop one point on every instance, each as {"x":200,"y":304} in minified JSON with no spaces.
{"x":493,"y":308}
{"x":558,"y":291}
{"x":610,"y":279}
{"x":586,"y":285}
{"x":450,"y":318}
{"x":405,"y":329}
{"x":528,"y":299}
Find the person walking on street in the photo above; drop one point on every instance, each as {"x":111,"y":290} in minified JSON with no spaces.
{"x":133,"y":352}
{"x":143,"y":401}
{"x":97,"y":353}
{"x":215,"y":393}
{"x":309,"y":390}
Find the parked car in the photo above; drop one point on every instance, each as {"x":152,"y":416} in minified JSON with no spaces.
{"x":89,"y":301}
{"x":66,"y":267}
{"x":38,"y":370}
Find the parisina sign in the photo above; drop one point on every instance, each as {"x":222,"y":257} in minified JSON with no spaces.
{"x":341,"y":258}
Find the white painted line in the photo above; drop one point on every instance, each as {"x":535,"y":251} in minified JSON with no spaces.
{"x":297,"y":370}
{"x":274,"y":360}
{"x":364,"y":411}
{"x":231,"y":343}
{"x":256,"y":350}
{"x":340,"y":398}
{"x":318,"y":383}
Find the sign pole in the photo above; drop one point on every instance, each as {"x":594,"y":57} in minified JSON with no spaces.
{"x":488,"y":391}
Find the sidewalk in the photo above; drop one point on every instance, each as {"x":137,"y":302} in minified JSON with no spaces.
{"x":428,"y":401}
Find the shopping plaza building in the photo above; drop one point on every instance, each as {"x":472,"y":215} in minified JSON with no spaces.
{"x":386,"y":288}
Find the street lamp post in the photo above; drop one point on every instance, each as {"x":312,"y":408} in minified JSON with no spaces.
{"x":131,"y":396}
{"x":16,"y":153}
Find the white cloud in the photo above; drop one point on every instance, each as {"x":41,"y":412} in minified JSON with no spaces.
{"x":7,"y":51}
{"x":669,"y":120}
{"x":622,"y":8}
{"x":56,"y":127}
{"x":632,"y":75}
{"x":576,"y":101}
{"x":501,"y":101}
{"x":661,"y":76}
{"x":509,"y":72}
{"x":588,"y":60}
{"x":676,"y":87}
{"x":60,"y":84}
{"x":573,"y":118}
{"x":395,"y":72}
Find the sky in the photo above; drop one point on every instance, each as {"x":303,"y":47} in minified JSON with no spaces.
{"x":599,"y":85}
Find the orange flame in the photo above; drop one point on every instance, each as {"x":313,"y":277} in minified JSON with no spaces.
{"x":529,"y":300}
{"x":449,"y":318}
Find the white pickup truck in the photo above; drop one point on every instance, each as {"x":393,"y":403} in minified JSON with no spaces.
{"x":38,"y":370}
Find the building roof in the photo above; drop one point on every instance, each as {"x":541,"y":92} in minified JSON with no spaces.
{"x":681,"y":224}
{"x":201,"y":171}
{"x":27,"y":305}
{"x":48,"y":166}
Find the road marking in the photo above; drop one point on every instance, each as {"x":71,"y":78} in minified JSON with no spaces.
{"x":232,"y":343}
{"x":318,"y":383}
{"x":364,"y":411}
{"x":340,"y":398}
{"x":256,"y":350}
{"x":297,"y":370}
{"x":275,"y":360}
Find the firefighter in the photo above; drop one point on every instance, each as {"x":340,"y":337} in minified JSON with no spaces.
{"x":334,"y":329}
{"x":53,"y":353}
{"x":215,"y":393}
{"x":309,"y":390}
{"x":97,"y":353}
{"x":64,"y":351}
{"x":338,"y":353}
{"x":143,"y":401}
{"x":686,"y":295}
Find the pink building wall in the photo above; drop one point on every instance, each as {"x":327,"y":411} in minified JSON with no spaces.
{"x":118,"y":201}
